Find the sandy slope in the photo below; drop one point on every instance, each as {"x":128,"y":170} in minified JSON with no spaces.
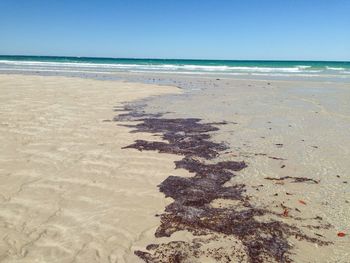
{"x":68,"y":193}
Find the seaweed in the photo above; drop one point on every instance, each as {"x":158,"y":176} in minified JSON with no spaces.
{"x":192,"y":209}
{"x":294,"y":178}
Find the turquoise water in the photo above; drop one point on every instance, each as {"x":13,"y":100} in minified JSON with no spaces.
{"x":180,"y":66}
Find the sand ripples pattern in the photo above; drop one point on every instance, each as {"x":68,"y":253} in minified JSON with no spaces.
{"x":68,"y":192}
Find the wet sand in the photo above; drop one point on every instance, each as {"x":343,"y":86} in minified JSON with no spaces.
{"x":100,"y":201}
{"x":281,"y":129}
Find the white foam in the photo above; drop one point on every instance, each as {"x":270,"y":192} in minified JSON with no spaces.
{"x":298,"y":70}
{"x":333,"y":68}
{"x":53,"y":70}
{"x":303,"y":67}
{"x":66,"y":64}
{"x":150,"y":66}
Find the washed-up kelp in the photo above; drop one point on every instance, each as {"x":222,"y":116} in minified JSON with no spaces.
{"x":248,"y":236}
{"x":294,"y":179}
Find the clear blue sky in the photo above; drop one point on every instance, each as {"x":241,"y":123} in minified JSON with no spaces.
{"x":213,"y":29}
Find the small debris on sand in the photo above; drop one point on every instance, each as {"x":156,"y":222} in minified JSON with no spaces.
{"x":294,"y":179}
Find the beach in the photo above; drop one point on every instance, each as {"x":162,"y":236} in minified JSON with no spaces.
{"x":69,"y":193}
{"x":100,"y":168}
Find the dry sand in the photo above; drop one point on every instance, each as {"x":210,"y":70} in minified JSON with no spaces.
{"x":68,"y":192}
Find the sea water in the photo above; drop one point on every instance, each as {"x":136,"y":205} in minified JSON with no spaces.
{"x":227,"y":68}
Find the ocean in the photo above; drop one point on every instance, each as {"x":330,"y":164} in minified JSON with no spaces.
{"x":226,"y":68}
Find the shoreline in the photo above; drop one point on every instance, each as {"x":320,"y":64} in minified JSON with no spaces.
{"x":270,"y":114}
{"x":158,"y":78}
{"x":257,"y":69}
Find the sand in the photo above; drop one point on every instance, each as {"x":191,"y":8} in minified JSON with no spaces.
{"x":307,"y":124}
{"x":68,"y":192}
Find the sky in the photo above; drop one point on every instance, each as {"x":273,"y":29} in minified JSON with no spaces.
{"x":197,"y":29}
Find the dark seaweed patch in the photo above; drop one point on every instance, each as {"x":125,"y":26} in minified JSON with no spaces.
{"x":193,"y":210}
{"x":294,"y":179}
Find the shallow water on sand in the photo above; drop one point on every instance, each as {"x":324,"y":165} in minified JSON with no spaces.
{"x":304,"y":124}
